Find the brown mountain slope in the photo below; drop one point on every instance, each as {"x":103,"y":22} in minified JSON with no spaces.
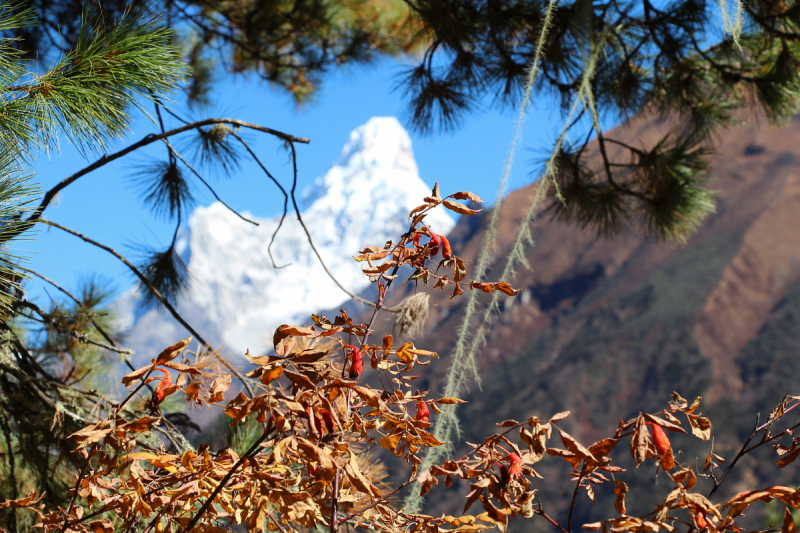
{"x":608,"y":327}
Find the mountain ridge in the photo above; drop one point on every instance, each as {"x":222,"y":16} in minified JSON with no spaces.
{"x":237,"y":297}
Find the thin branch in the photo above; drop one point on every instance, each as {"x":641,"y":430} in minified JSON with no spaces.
{"x":311,"y":242}
{"x":12,"y":473}
{"x":738,"y":456}
{"x":376,"y":502}
{"x":242,"y":459}
{"x":158,"y":295}
{"x":541,"y":512}
{"x":145,"y":141}
{"x":77,"y":486}
{"x":232,"y":210}
{"x":283,"y":191}
{"x":575,"y":497}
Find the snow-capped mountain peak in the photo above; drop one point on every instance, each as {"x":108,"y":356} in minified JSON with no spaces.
{"x":237,"y":298}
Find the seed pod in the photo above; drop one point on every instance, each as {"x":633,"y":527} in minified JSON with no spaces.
{"x":327,"y":420}
{"x":436,"y":240}
{"x":166,"y":381}
{"x":423,"y":414}
{"x":447,"y":253}
{"x":515,"y":468}
{"x":660,"y":440}
{"x":356,"y":361}
{"x":700,"y":517}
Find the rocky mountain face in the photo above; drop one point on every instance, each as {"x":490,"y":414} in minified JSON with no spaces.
{"x":609,"y":327}
{"x":237,"y":297}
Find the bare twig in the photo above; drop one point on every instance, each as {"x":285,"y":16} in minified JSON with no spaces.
{"x":739,"y":455}
{"x":283,"y":191}
{"x":190,"y":167}
{"x":575,"y":497}
{"x":145,"y":141}
{"x":77,"y":486}
{"x":158,"y":295}
{"x":242,"y":459}
{"x":308,"y":235}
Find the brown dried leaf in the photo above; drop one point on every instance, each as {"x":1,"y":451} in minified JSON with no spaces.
{"x":182,"y":368}
{"x":219,"y":386}
{"x":559,"y":416}
{"x":326,"y":467}
{"x":101,"y":526}
{"x":461,"y":209}
{"x":466,"y":195}
{"x":29,"y":500}
{"x":790,"y":457}
{"x":299,"y":379}
{"x":136,"y":375}
{"x":507,"y":424}
{"x":664,"y":424}
{"x":667,"y":460}
{"x":686,"y":477}
{"x":620,"y":489}
{"x":172,"y":352}
{"x":701,"y":426}
{"x":575,"y":447}
{"x":640,"y":442}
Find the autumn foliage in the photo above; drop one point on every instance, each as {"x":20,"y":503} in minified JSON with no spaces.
{"x":308,"y":469}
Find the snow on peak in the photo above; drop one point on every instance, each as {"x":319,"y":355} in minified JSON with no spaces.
{"x":238,"y":298}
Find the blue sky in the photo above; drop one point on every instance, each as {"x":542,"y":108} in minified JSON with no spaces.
{"x":104,"y":205}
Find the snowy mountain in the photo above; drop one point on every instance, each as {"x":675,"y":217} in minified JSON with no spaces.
{"x":237,"y":298}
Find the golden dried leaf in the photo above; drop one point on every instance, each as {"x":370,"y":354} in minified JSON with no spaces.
{"x":404,"y":354}
{"x":788,"y":522}
{"x":559,"y":416}
{"x":594,"y":526}
{"x":449,"y":401}
{"x":271,"y":375}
